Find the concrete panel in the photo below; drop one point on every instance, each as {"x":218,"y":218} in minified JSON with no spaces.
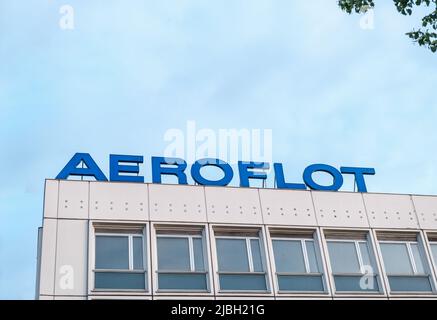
{"x":118,"y":201}
{"x":340,"y":209}
{"x":287,"y":207}
{"x":390,"y":211}
{"x":233,"y":205}
{"x":51,"y":199}
{"x":426,"y":209}
{"x":73,"y":199}
{"x":48,"y":254}
{"x":72,"y":258}
{"x":177,"y":203}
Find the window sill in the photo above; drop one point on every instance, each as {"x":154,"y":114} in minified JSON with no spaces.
{"x":358,"y":293}
{"x":142,"y":291}
{"x":413,"y":293}
{"x":296,"y":293}
{"x":244,"y":292}
{"x":167,"y":291}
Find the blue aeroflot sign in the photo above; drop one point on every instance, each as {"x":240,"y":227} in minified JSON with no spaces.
{"x":124,"y":167}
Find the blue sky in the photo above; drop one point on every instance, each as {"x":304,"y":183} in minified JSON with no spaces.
{"x":330,"y":91}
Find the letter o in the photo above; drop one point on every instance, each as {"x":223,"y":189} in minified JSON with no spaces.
{"x":336,"y":176}
{"x":224,"y":166}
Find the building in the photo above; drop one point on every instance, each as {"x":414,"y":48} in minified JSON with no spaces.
{"x":103,"y":240}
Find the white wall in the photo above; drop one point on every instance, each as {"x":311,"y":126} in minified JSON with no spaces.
{"x":71,"y":206}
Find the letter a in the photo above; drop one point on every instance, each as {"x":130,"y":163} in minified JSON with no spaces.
{"x":91,"y":170}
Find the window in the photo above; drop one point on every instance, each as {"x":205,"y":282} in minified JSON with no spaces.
{"x":404,"y":263}
{"x":432,"y":237}
{"x":119,"y":261}
{"x":434,"y":251}
{"x":240,"y":262}
{"x":296,"y":261}
{"x":181,"y":261}
{"x":352,"y":265}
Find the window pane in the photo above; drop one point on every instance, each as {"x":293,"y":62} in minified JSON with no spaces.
{"x":173,"y":254}
{"x":344,"y":257}
{"x":232,"y":255}
{"x":409,"y":283}
{"x":434,"y":252}
{"x":365,"y":256}
{"x":417,"y":258}
{"x":189,"y":281}
{"x":256,"y":255}
{"x":243,"y":282}
{"x":138,"y":253}
{"x":112,"y":252}
{"x":119,"y":280}
{"x":356,"y":283}
{"x":288,"y":256}
{"x":300,"y":283}
{"x":199,"y":261}
{"x":396,"y":259}
{"x":312,"y":258}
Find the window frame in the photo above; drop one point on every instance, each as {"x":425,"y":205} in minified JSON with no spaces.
{"x":427,"y":266}
{"x":357,"y":252}
{"x":319,"y":260}
{"x":190,"y":252}
{"x":131,"y":270}
{"x":432,"y":243}
{"x":305,"y":256}
{"x":425,"y":241}
{"x":241,"y":228}
{"x":405,"y":235}
{"x":173,"y":230}
{"x":192,"y":270}
{"x":248,"y":254}
{"x":352,"y":235}
{"x":410,"y":256}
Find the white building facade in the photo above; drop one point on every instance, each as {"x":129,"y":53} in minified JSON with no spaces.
{"x":109,"y":240}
